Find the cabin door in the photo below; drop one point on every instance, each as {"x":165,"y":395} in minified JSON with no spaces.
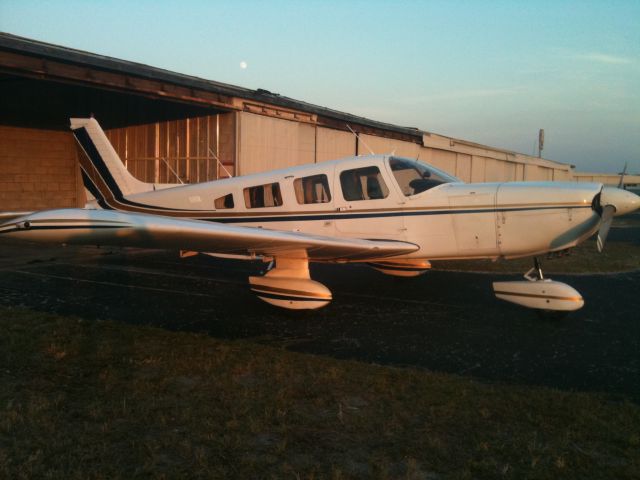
{"x":366,"y":204}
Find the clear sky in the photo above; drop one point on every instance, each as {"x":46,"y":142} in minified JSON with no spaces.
{"x":486,"y":71}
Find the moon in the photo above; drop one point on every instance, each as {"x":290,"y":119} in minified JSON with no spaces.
{"x":243,"y":64}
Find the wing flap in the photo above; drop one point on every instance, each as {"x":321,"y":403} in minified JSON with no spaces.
{"x":108,"y":227}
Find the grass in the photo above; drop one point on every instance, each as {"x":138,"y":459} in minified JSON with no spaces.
{"x":93,"y":400}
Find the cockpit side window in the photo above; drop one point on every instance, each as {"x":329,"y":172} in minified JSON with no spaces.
{"x":262,"y":196}
{"x":312,"y":189}
{"x":414,"y":177}
{"x":363,"y":184}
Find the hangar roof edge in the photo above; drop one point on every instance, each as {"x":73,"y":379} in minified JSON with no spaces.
{"x":70,"y":55}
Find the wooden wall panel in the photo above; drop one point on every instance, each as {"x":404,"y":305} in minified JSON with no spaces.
{"x":185,"y":149}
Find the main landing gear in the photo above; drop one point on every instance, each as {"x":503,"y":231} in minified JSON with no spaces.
{"x":287,"y":284}
{"x":539,"y":293}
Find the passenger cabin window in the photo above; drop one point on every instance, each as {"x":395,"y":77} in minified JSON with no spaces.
{"x":221,"y":203}
{"x":313,"y":189}
{"x":363,"y":184}
{"x":414,"y":177}
{"x":263,"y":196}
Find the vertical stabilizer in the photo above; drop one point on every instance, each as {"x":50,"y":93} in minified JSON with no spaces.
{"x":104,"y":173}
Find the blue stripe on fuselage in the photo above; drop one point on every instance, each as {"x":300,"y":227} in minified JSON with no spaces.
{"x":379,"y":214}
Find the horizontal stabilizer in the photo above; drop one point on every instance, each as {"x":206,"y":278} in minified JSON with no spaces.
{"x":5,"y":216}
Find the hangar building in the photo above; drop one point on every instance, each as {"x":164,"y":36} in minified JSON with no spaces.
{"x":172,"y":128}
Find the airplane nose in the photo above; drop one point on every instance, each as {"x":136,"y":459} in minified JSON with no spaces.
{"x":622,"y":200}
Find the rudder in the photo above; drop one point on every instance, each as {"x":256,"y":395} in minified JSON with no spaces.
{"x":104,"y":174}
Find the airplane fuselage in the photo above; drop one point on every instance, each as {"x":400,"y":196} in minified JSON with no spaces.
{"x":449,"y":220}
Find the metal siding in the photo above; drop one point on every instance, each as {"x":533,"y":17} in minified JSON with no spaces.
{"x":477,"y":169}
{"x":444,"y":160}
{"x":270,"y":143}
{"x":463,"y":167}
{"x":535,"y":173}
{"x":493,"y":170}
{"x":425,"y":155}
{"x":386,"y":146}
{"x":561,"y":175}
{"x":334,"y":144}
{"x":509,"y":172}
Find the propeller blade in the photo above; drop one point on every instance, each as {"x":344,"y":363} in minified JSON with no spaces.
{"x":624,"y":172}
{"x":605,"y":225}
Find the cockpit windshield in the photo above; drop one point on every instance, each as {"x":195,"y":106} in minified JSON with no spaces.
{"x":415,"y":177}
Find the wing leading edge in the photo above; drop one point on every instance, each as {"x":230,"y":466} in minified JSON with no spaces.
{"x":108,"y":227}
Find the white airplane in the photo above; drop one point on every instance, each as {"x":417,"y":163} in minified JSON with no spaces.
{"x":396,"y":214}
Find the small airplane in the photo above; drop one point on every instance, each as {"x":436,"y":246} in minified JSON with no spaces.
{"x":395,"y":214}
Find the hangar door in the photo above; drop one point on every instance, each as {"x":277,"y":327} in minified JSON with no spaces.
{"x":267,"y":143}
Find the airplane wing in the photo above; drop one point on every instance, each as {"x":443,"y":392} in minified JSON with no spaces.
{"x":109,"y":227}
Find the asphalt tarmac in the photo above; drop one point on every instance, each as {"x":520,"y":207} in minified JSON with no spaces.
{"x":442,"y":321}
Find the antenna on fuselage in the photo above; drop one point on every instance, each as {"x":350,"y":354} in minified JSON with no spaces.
{"x":359,"y":139}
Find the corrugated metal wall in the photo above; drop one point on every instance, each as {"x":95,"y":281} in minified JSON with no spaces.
{"x":248,"y":143}
{"x":266,"y":143}
{"x":387,"y":146}
{"x":333,"y":144}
